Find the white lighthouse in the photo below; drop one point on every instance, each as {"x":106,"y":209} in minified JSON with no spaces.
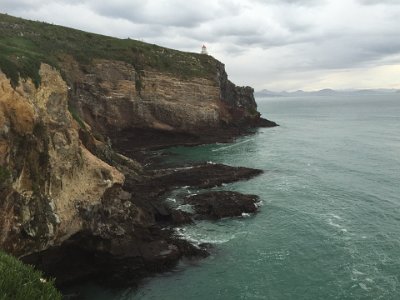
{"x":204,"y":50}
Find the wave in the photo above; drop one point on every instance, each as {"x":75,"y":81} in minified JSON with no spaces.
{"x":231,"y":146}
{"x":198,"y":238}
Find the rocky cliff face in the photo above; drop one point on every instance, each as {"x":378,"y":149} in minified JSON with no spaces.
{"x":114,"y":98}
{"x":46,"y":173}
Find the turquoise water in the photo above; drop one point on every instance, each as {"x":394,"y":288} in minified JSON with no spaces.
{"x":329,"y":227}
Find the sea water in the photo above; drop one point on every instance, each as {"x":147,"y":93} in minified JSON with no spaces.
{"x":329,"y":224}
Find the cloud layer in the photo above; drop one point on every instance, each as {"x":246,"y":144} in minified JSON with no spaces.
{"x":275,"y":44}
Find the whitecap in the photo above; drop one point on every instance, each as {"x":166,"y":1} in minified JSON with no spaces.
{"x":230,"y":146}
{"x":330,"y":222}
{"x":336,"y":217}
{"x":200,"y":239}
{"x":356,"y":272}
{"x":259,"y":203}
{"x":336,"y":225}
{"x":186,"y":208}
{"x":205,"y":233}
{"x":363,"y":286}
{"x":184,"y":168}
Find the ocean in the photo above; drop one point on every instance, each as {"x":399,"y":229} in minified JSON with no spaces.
{"x":329,"y":225}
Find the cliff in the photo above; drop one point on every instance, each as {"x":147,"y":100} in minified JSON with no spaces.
{"x":70,"y":103}
{"x":46,"y":172}
{"x":123,"y":84}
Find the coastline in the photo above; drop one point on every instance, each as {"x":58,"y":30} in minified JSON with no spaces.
{"x":114,"y":254}
{"x":81,"y":196}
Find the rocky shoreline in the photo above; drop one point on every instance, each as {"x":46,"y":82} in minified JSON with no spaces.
{"x":118,"y":250}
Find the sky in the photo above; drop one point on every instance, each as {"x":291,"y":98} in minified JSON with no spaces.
{"x":267,"y":44}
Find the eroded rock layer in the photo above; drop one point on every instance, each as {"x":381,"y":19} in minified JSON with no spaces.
{"x":115,"y":98}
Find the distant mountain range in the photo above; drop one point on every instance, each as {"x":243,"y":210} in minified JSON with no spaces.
{"x":325,"y":92}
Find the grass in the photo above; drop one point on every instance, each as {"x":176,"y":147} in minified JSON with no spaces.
{"x":22,"y":282}
{"x":25,"y":44}
{"x":74,"y":113}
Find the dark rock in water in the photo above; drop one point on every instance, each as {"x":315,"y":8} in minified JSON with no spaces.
{"x":180,"y":217}
{"x":222,"y":204}
{"x":266,"y":123}
{"x":201,"y":176}
{"x":148,"y":192}
{"x":211,"y":175}
{"x":190,"y":250}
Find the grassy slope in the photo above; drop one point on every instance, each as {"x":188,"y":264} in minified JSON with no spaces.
{"x":25,"y":44}
{"x":21,"y":282}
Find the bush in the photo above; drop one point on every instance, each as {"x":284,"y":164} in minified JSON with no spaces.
{"x":22,"y":282}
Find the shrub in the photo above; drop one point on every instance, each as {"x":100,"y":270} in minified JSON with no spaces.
{"x":74,"y":113}
{"x":22,"y":282}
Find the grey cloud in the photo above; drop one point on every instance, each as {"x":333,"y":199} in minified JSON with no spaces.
{"x":16,"y":5}
{"x":347,"y":51}
{"x":24,"y":5}
{"x":179,"y":13}
{"x":383,"y":2}
{"x":293,"y":2}
{"x":289,"y":36}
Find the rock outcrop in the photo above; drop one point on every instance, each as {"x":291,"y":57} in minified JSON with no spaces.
{"x":46,"y":172}
{"x":222,"y":204}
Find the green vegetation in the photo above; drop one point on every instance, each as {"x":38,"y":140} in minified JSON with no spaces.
{"x":252,"y":111}
{"x":21,"y":282}
{"x":25,"y":44}
{"x":76,"y":116}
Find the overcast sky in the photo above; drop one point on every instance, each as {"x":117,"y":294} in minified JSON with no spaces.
{"x":271,"y":44}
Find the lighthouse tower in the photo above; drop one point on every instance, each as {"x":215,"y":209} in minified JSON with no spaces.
{"x":204,"y":50}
